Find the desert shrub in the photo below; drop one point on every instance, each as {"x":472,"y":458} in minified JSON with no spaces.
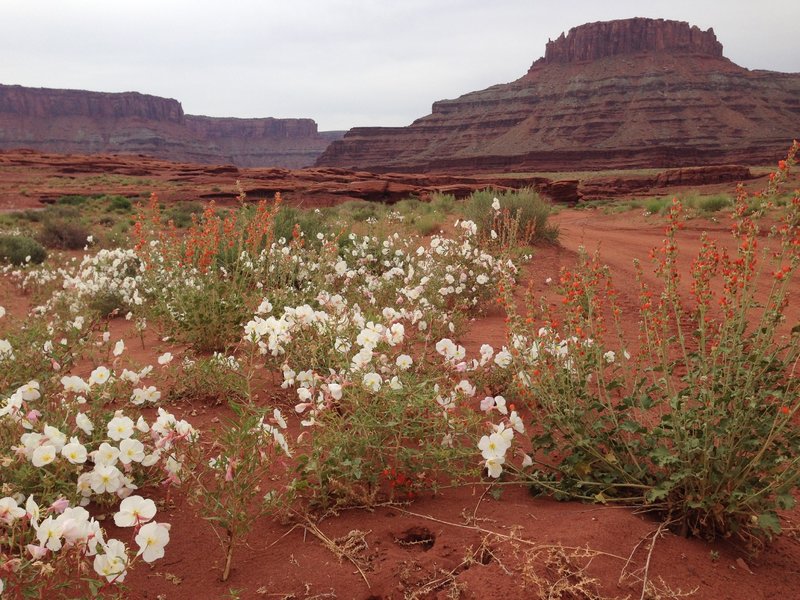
{"x":119,"y":204}
{"x":309,"y":223}
{"x":73,"y":200}
{"x":443,"y":202}
{"x":524,"y":208}
{"x":63,"y":234}
{"x":211,"y":379}
{"x":15,"y":249}
{"x":656,"y":206}
{"x":427,"y":224}
{"x":701,"y":424}
{"x":181,"y":213}
{"x":708,"y":204}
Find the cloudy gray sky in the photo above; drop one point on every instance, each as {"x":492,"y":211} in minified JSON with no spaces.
{"x":341,"y":62}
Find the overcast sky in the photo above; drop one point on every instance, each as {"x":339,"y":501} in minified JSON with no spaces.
{"x":341,"y":62}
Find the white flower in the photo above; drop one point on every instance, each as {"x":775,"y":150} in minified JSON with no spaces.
{"x":99,"y":376}
{"x":372,"y":381}
{"x":43,"y":455}
{"x":2,"y":312}
{"x":105,"y":478}
{"x":503,"y":358}
{"x":73,"y":383}
{"x":10,"y":511}
{"x":165,"y":358}
{"x":495,"y":466}
{"x":113,"y":563}
{"x":151,"y":540}
{"x":404,"y":362}
{"x":6,"y":351}
{"x":84,"y":423}
{"x":120,"y":428}
{"x":610,"y":356}
{"x":516,"y":422}
{"x":74,"y":452}
{"x":29,"y":391}
{"x":131,"y":450}
{"x":395,"y":383}
{"x":119,"y":348}
{"x":527,"y":461}
{"x":106,"y":454}
{"x":264,"y":308}
{"x":134,"y":510}
{"x":496,"y":204}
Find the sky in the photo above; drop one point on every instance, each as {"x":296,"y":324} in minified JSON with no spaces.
{"x":343,"y":63}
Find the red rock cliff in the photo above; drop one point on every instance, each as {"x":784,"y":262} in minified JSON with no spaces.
{"x":620,"y":94}
{"x":77,"y":121}
{"x":630,"y":36}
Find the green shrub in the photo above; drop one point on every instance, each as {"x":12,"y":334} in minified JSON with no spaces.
{"x":427,"y":224}
{"x":119,"y":204}
{"x":73,"y":200}
{"x":63,"y":234}
{"x":15,"y":249}
{"x":523,"y":209}
{"x":309,"y":222}
{"x":708,"y":204}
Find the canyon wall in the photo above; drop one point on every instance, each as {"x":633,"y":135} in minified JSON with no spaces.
{"x":619,"y":94}
{"x":77,"y":121}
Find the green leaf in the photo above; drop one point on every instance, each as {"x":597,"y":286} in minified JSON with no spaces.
{"x":662,"y":456}
{"x":658,"y":493}
{"x":769,"y":522}
{"x":785,"y":501}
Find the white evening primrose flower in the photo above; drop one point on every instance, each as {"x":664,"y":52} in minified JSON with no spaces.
{"x":120,"y":428}
{"x":6,"y":351}
{"x":74,"y":384}
{"x":113,"y":563}
{"x":43,"y":455}
{"x":494,"y":466}
{"x":10,"y":511}
{"x":496,"y":204}
{"x":99,"y":376}
{"x":264,"y":308}
{"x":335,"y":390}
{"x":74,"y":452}
{"x":131,"y":450}
{"x":105,"y":478}
{"x":516,"y":422}
{"x":29,"y":391}
{"x":165,"y":358}
{"x":106,"y":454}
{"x":503,"y":358}
{"x":610,"y":356}
{"x":372,"y":381}
{"x":527,"y":461}
{"x":151,"y":540}
{"x":404,"y":362}
{"x":134,"y":510}
{"x":395,"y":383}
{"x":2,"y":312}
{"x":84,"y":423}
{"x":119,"y":348}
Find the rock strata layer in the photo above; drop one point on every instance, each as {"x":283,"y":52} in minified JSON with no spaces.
{"x":78,"y":121}
{"x":621,"y":94}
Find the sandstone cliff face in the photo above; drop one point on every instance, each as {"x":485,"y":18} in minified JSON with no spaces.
{"x":619,"y":94}
{"x":76,"y":121}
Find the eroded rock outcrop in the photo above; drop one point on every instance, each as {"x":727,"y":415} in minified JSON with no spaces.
{"x":94,"y":122}
{"x":619,"y":94}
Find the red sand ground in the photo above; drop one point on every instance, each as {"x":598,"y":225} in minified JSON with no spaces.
{"x":469,"y":545}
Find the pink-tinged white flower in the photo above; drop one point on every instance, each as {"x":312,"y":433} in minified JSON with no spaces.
{"x":131,"y":450}
{"x":395,"y":334}
{"x":134,"y":510}
{"x":404,"y":362}
{"x":120,"y":428}
{"x":113,"y":563}
{"x":466,"y":388}
{"x":60,"y":505}
{"x":74,"y":384}
{"x":99,"y":376}
{"x":487,"y":404}
{"x":165,"y":358}
{"x":151,"y":540}
{"x":36,"y":552}
{"x":372,"y":381}
{"x":84,"y":423}
{"x":119,"y":348}
{"x":74,"y":452}
{"x":10,"y":511}
{"x":43,"y":455}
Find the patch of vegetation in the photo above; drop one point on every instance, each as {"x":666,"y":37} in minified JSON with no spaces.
{"x":19,"y":249}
